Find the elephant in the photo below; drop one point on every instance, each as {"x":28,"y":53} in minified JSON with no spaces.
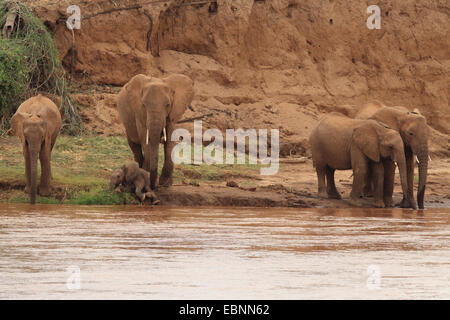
{"x":341,"y":143}
{"x":132,"y":178}
{"x":37,"y":122}
{"x":414,"y":132}
{"x":149,"y":109}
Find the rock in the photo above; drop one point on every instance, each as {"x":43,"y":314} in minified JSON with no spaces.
{"x":232,"y":184}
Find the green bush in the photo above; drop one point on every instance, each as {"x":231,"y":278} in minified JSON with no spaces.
{"x":13,"y":76}
{"x":29,"y":63}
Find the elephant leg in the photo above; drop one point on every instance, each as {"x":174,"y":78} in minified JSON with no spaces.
{"x":26,"y":155}
{"x":44,"y":157}
{"x":369,"y":187}
{"x":378,"y":182}
{"x":388,"y":185}
{"x":409,"y":177}
{"x":139,"y":184}
{"x":322,"y":190}
{"x":359,"y":165}
{"x":166,"y":175}
{"x":331,"y":187}
{"x":137,"y":151}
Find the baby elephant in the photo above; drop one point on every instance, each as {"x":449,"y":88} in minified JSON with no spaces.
{"x":130,"y":176}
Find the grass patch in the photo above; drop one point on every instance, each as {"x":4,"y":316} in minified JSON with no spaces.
{"x":81,"y":167}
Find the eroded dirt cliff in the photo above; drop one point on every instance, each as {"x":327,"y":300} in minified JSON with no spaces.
{"x":262,"y":64}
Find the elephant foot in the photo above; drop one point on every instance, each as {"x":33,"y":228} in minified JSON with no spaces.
{"x":389,"y":203}
{"x":334,"y":195}
{"x":355,"y":202}
{"x":405,"y":203}
{"x":153,"y":198}
{"x":379,"y":204}
{"x":27,"y":190}
{"x":44,"y":191}
{"x":323,"y":194}
{"x":165,"y":181}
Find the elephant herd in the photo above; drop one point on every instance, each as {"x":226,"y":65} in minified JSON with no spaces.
{"x":373,"y":144}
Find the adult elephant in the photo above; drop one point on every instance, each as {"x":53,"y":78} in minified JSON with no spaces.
{"x":149,"y":108}
{"x":37,"y":122}
{"x":339,"y":142}
{"x":414,"y":131}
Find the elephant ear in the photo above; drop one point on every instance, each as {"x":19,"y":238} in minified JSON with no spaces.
{"x":16,"y":124}
{"x":182,"y":90}
{"x":366,"y":139}
{"x":131,"y":171}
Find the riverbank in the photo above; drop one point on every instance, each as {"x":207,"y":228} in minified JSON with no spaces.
{"x":82,"y":166}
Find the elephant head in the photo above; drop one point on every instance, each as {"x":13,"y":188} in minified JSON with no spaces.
{"x":414,"y":131}
{"x":117,"y":177}
{"x":32,"y":129}
{"x":124,"y":175}
{"x":377,"y":141}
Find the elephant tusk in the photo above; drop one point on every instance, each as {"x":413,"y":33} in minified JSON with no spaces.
{"x":146,"y":138}
{"x":429,"y":158}
{"x":164,"y":134}
{"x":417,"y":159}
{"x":395,"y":162}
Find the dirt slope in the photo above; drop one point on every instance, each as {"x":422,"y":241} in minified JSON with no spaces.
{"x":263,"y":64}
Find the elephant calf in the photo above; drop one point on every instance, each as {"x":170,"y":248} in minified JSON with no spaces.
{"x":338,"y":142}
{"x":131,"y":177}
{"x":37,"y":122}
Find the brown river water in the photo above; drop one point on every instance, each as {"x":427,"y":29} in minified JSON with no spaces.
{"x":80,"y":252}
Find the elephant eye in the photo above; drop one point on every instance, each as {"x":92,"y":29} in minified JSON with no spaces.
{"x":410,"y":133}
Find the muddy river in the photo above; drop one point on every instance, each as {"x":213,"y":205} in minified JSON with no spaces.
{"x":62,"y":252}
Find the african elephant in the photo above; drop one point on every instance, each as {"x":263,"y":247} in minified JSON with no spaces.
{"x":414,"y":131}
{"x":149,"y":108}
{"x":339,"y":142}
{"x":134,"y":179}
{"x":37,"y":122}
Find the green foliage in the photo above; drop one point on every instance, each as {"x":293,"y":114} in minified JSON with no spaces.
{"x":13,"y":74}
{"x":29,"y":63}
{"x":102,"y":197}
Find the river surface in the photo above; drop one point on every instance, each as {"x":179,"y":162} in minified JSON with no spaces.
{"x":77,"y":252}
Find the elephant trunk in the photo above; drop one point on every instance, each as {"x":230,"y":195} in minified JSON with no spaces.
{"x":422,"y":156}
{"x":154,"y":129}
{"x":33,"y":176}
{"x":401,"y":162}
